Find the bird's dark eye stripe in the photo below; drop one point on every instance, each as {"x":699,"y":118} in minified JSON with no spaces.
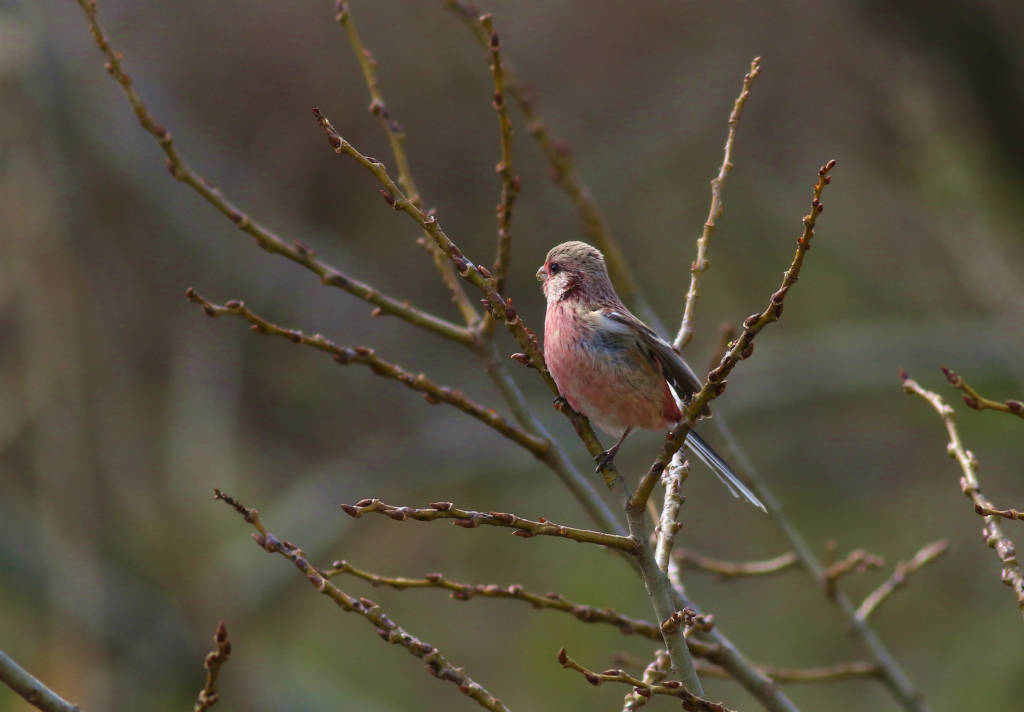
{"x":555,"y":268}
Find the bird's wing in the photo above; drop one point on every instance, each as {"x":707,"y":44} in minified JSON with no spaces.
{"x":679,"y":375}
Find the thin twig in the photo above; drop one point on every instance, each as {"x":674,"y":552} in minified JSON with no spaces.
{"x":265,"y":238}
{"x":432,"y":392}
{"x":396,"y":138}
{"x":1004,"y":513}
{"x":35,"y":692}
{"x":509,"y":181}
{"x":839,"y":671}
{"x":1011,"y":572}
{"x":671,"y":688}
{"x":469,"y":519}
{"x":735,"y":569}
{"x":858,"y":561}
{"x":742,"y":348}
{"x":926,"y":555}
{"x":975,"y":400}
{"x":464,"y":592}
{"x":656,"y":671}
{"x":825,"y":673}
{"x":389,"y":631}
{"x":208,"y":696}
{"x":699,"y":265}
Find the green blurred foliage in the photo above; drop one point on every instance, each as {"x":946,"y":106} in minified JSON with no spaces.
{"x":121,"y":406}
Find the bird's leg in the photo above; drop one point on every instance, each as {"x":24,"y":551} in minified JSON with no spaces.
{"x":606,"y":457}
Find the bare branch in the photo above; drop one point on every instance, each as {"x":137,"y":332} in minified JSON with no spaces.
{"x":509,"y":181}
{"x":265,"y":238}
{"x":389,"y":631}
{"x":35,"y":692}
{"x":673,"y":480}
{"x":208,"y":696}
{"x":699,"y":265}
{"x":1011,"y":572}
{"x":671,"y":688}
{"x":975,"y":400}
{"x":742,"y":348}
{"x":656,"y":671}
{"x":396,"y":138}
{"x":858,"y":561}
{"x":469,"y":519}
{"x":433,"y":392}
{"x":839,"y":671}
{"x":735,"y":569}
{"x":464,"y":592}
{"x":1004,"y":513}
{"x":926,"y":555}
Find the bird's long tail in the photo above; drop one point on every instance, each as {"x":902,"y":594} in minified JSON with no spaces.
{"x":721,"y":468}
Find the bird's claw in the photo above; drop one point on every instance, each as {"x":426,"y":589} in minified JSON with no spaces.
{"x":605,"y":458}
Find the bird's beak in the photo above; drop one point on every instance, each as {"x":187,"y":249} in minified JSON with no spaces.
{"x":541,"y":274}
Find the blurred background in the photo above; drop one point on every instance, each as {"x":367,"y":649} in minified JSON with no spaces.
{"x":122,"y":406}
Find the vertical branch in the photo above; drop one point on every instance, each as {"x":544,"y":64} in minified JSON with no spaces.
{"x":396,"y":137}
{"x":563,"y":171}
{"x":673,"y":479}
{"x":208,"y":696}
{"x":701,"y":264}
{"x":660,"y":591}
{"x":509,"y":181}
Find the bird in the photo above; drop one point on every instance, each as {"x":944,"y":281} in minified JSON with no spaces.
{"x":609,"y":365}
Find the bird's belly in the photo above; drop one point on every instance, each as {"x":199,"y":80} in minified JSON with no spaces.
{"x":615,"y":386}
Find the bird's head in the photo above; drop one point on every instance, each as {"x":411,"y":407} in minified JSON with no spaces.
{"x":575,"y":269}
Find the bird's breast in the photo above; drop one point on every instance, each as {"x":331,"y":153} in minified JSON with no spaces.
{"x":606,"y":377}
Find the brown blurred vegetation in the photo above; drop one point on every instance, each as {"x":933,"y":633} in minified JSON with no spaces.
{"x":121,"y":406}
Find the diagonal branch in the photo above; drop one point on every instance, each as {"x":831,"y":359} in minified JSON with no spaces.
{"x":396,"y":138}
{"x":903,"y":569}
{"x":740,"y":349}
{"x":546,"y":601}
{"x":469,"y":519}
{"x":35,"y":692}
{"x":433,"y":392}
{"x":265,"y":238}
{"x":208,"y":696}
{"x":700,"y":265}
{"x":975,"y":400}
{"x":735,"y":569}
{"x":1011,"y":572}
{"x":670,"y":688}
{"x":389,"y":631}
{"x":857,"y":561}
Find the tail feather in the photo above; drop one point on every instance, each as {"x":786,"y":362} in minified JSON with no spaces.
{"x":720,"y":467}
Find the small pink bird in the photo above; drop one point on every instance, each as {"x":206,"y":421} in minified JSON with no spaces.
{"x":611,"y":366}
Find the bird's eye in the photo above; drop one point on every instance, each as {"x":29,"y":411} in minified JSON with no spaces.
{"x":554,"y":268}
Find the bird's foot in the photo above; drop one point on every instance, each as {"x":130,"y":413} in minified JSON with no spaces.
{"x":605,"y":458}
